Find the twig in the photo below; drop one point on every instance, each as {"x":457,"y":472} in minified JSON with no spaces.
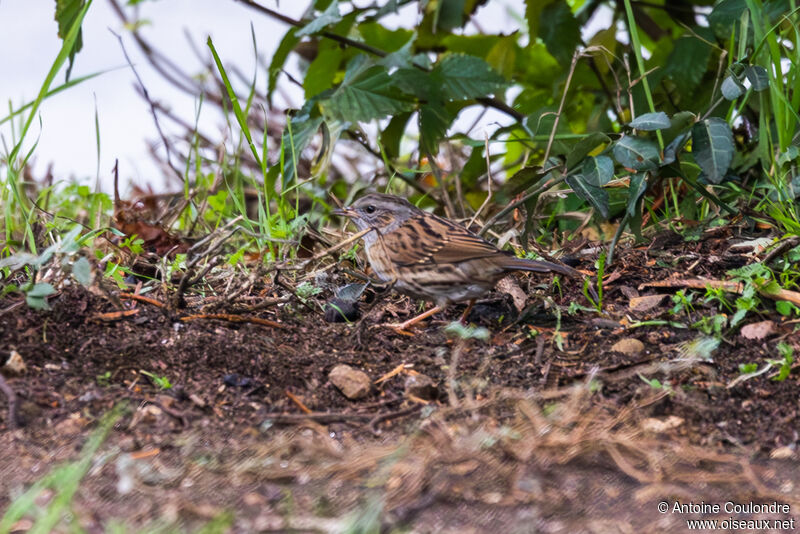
{"x":733,"y":287}
{"x":13,"y":418}
{"x":141,"y":298}
{"x":295,"y":399}
{"x":150,"y":102}
{"x":328,"y":251}
{"x":391,"y":415}
{"x":233,"y":319}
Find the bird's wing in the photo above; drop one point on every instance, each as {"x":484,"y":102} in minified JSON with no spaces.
{"x":435,"y":241}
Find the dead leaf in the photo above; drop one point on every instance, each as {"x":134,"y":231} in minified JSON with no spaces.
{"x":758,"y":330}
{"x":509,"y":286}
{"x":645,"y":303}
{"x":654,"y":424}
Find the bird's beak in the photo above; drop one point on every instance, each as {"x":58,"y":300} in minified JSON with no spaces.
{"x":345,"y":212}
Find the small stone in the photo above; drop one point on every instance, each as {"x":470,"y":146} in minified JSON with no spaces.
{"x":782,"y":453}
{"x":656,"y":425}
{"x":629,"y":345}
{"x":421,"y":386}
{"x":353,"y":384}
{"x":15,"y":364}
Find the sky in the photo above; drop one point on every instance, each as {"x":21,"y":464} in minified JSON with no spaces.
{"x":67,"y":135}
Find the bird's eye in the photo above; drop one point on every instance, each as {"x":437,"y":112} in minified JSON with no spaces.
{"x":370,"y":209}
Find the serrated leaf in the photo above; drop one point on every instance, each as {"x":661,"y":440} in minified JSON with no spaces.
{"x":598,"y":171}
{"x":712,"y":146}
{"x":686,"y":64}
{"x":366,"y":94}
{"x":636,"y":153}
{"x":732,"y":88}
{"x":758,"y":76}
{"x":450,"y":15}
{"x":434,"y":120}
{"x":561,"y":32}
{"x":328,"y":17}
{"x":586,"y":146}
{"x":462,"y":77}
{"x":82,"y":271}
{"x":596,"y":196}
{"x":651,"y":121}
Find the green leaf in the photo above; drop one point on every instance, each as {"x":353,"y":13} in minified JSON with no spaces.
{"x":287,"y":44}
{"x":687,"y":63}
{"x":758,"y":76}
{"x":82,"y":271}
{"x":636,"y":153}
{"x":303,"y":129}
{"x":596,"y":196}
{"x":561,"y":32}
{"x":449,"y":15}
{"x":67,"y":12}
{"x":732,"y":88}
{"x":323,"y":69}
{"x":533,"y":15}
{"x":393,"y":134}
{"x":598,"y":171}
{"x":586,"y":146}
{"x":463,"y":77}
{"x":651,"y":121}
{"x":366,"y":93}
{"x":375,"y":34}
{"x":636,"y":191}
{"x":712,"y":146}
{"x":434,"y":120}
{"x":42,"y":289}
{"x":502,"y":57}
{"x":328,"y":17}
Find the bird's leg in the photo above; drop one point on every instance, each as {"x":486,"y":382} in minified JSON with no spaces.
{"x":466,"y":312}
{"x":402,"y":328}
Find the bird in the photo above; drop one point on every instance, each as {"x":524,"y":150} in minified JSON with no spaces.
{"x":432,"y":258}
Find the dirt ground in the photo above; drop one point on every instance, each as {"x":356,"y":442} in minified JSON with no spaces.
{"x":510,"y":434}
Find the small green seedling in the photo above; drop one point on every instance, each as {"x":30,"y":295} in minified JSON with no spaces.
{"x":162,"y":382}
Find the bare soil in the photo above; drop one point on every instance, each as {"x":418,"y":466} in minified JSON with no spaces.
{"x":542,"y":428}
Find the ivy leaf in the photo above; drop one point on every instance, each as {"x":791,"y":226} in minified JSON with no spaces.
{"x":560,"y":32}
{"x":330,"y":16}
{"x":463,"y":77}
{"x":598,"y":171}
{"x":636,"y":153}
{"x":596,"y":196}
{"x":651,"y":121}
{"x":366,"y":93}
{"x":434,"y":120}
{"x":712,"y":146}
{"x":585,"y":146}
{"x":758,"y":76}
{"x":732,"y":88}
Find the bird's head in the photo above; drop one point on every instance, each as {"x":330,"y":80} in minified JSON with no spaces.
{"x":382,"y":212}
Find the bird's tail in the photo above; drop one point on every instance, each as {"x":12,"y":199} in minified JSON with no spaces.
{"x":521,"y":264}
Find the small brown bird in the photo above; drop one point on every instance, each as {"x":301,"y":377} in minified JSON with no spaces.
{"x":432,"y":258}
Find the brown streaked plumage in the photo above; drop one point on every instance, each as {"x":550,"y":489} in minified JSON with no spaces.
{"x":429,"y":257}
